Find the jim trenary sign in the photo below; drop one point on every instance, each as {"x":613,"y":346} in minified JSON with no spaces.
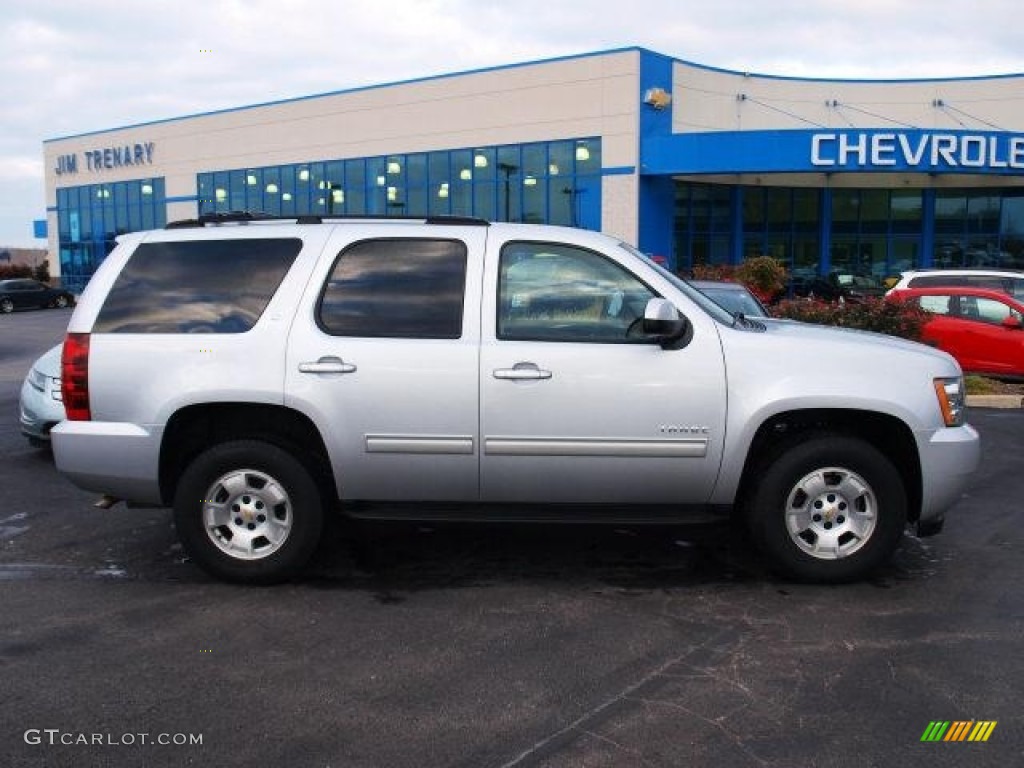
{"x":917,"y":150}
{"x":107,"y":158}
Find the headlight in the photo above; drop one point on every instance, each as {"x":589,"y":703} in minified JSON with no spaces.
{"x":952,"y":400}
{"x":37,"y":380}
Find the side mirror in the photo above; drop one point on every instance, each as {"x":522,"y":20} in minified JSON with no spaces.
{"x":1012,"y":323}
{"x":664,"y":324}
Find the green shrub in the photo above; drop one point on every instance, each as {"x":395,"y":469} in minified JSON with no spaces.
{"x":894,"y":318}
{"x":764,"y":276}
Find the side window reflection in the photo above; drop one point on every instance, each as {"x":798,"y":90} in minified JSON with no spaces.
{"x":550,"y":292}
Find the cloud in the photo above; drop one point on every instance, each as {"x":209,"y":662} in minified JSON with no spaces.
{"x":71,"y":67}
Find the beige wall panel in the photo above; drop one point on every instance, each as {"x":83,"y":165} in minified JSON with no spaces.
{"x":706,"y":100}
{"x":619,"y":196}
{"x":579,"y":97}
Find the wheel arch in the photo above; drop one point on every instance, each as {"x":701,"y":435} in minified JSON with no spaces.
{"x":888,"y":434}
{"x":195,"y":428}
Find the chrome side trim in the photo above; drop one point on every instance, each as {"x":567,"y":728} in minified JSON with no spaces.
{"x":694,"y":448}
{"x":446,"y":444}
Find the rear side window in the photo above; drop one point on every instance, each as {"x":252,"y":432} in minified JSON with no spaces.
{"x":197,"y":286}
{"x":930,"y":281}
{"x":408,"y":288}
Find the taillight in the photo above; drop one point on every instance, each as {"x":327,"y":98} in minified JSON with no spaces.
{"x":74,"y":371}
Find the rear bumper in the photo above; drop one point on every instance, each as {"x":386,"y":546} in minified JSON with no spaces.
{"x":948,"y":459}
{"x":114,"y":458}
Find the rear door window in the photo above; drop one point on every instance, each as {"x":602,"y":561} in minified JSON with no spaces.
{"x":197,"y":286}
{"x":396,"y":288}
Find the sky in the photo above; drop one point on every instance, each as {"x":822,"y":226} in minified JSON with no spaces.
{"x":74,"y":66}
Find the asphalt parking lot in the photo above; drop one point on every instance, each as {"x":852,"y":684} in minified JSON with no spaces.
{"x":409,"y":646}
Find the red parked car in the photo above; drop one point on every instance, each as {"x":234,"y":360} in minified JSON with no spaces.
{"x":983,"y":329}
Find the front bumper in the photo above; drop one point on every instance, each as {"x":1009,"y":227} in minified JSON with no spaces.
{"x":39,"y":411}
{"x":115,"y":458}
{"x":949,"y":457}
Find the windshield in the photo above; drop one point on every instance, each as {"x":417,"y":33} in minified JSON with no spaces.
{"x":698,"y":298}
{"x":736,"y":301}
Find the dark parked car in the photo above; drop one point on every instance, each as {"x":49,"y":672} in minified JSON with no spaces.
{"x":848,"y":286}
{"x":734,"y":297}
{"x":22,"y":293}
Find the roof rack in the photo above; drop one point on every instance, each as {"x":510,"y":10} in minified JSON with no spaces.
{"x":245,"y":217}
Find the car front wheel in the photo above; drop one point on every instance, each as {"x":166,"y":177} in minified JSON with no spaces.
{"x":249,"y":511}
{"x":828,"y":509}
{"x":6,"y":306}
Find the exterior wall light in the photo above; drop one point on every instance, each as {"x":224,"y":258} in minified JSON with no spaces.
{"x":304,"y":174}
{"x":530,"y":181}
{"x":338,"y":195}
{"x":658,"y":98}
{"x":465,"y":174}
{"x":394,"y":167}
{"x":147,"y":189}
{"x":381,"y":181}
{"x":392,"y":194}
{"x":442,"y":191}
{"x":582,"y":152}
{"x":480,"y":161}
{"x":220,"y":195}
{"x":286,"y":196}
{"x":251,"y":180}
{"x":553,"y":169}
{"x":272,"y":188}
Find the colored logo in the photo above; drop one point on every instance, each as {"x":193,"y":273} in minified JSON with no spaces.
{"x":958,"y":730}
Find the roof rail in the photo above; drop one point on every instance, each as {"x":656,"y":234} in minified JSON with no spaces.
{"x":244,"y":217}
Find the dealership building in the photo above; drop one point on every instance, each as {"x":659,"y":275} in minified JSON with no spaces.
{"x":692,"y":163}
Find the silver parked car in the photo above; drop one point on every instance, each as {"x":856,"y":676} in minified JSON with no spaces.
{"x":733,"y":297}
{"x":258,"y":375}
{"x":41,"y":405}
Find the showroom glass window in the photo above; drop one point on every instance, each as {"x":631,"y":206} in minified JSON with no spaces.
{"x":553,"y":182}
{"x":90,"y":217}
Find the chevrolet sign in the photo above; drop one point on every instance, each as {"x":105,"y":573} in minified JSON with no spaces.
{"x":916,"y":151}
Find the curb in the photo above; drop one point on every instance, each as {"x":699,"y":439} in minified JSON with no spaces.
{"x":995,"y":401}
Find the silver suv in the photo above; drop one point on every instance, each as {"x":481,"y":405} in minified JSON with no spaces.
{"x":259,"y":375}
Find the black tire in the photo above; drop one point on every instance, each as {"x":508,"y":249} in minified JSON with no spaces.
{"x":249,"y":479}
{"x":60,"y":302}
{"x":6,"y":306}
{"x":863,"y":506}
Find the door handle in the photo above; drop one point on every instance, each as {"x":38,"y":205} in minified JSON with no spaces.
{"x":328,"y":364}
{"x":522,"y":372}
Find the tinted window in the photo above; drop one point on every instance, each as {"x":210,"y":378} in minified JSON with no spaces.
{"x":198,"y":286}
{"x":553,"y":292}
{"x":930,"y":281}
{"x":396,"y":289}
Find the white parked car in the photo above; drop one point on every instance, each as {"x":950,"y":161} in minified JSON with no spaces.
{"x":1009,"y":281}
{"x":41,"y":406}
{"x":259,"y":375}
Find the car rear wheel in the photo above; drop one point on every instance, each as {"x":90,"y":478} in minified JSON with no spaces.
{"x":828,"y":509}
{"x":248,"y":511}
{"x":60,"y":302}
